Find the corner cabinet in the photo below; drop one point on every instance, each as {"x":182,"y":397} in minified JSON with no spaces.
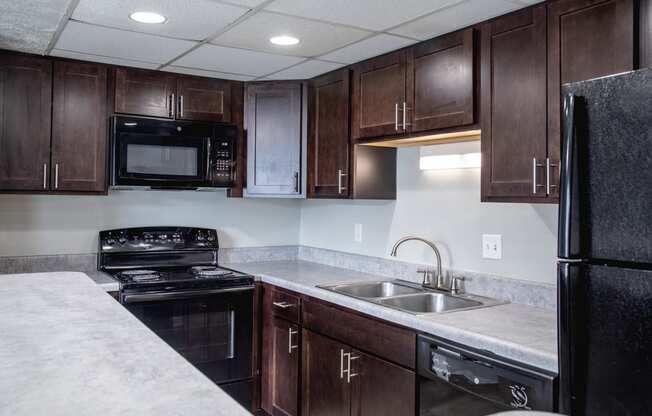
{"x":273,"y":120}
{"x":328,"y":136}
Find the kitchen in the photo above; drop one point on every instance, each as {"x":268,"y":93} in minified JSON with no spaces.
{"x":320,"y":208}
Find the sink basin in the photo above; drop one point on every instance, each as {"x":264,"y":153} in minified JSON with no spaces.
{"x":374,"y":289}
{"x":429,"y":303}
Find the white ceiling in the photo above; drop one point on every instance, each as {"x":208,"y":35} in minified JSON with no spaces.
{"x":229,"y":38}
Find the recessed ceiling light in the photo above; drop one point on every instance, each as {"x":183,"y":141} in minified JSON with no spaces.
{"x":284,"y":40}
{"x":147,"y":17}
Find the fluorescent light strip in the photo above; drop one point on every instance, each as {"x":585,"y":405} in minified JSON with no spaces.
{"x":443,"y":162}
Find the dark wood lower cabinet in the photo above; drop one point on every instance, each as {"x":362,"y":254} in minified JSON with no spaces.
{"x":25,"y":100}
{"x":281,"y":374}
{"x":79,"y":127}
{"x":324,"y":386}
{"x":380,"y":388}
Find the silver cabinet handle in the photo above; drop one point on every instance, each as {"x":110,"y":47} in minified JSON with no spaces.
{"x":290,"y":346}
{"x":171,"y":111}
{"x":396,"y":116}
{"x":548,"y":166}
{"x":342,"y":355}
{"x":296,"y":182}
{"x":340,"y":188}
{"x":181,"y":106}
{"x":282,"y":305}
{"x":405,"y":110}
{"x":45,"y":176}
{"x":349,"y":374}
{"x":535,"y":185}
{"x":56,"y":176}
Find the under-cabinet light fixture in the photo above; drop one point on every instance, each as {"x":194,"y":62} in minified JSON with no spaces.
{"x":458,"y":161}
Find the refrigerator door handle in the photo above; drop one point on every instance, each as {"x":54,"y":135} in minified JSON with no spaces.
{"x":569,"y":227}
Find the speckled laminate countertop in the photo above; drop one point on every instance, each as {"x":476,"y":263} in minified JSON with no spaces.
{"x":66,"y":348}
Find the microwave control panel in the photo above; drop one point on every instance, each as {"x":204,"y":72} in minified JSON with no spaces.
{"x":222,"y":161}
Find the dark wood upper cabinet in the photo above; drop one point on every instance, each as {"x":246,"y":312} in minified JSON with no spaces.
{"x":586,"y":39}
{"x":273,"y":120}
{"x":203,"y":99}
{"x":281,"y":353}
{"x":79,"y":127}
{"x":144,"y":92}
{"x":645,"y":34}
{"x":379,"y":96}
{"x":25,"y":99}
{"x":328,"y":136}
{"x":514,"y":101}
{"x":440,"y":83}
{"x":380,"y":388}
{"x":325,"y":391}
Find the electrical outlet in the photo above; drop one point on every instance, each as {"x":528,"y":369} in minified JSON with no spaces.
{"x":357,"y":233}
{"x":492,"y":246}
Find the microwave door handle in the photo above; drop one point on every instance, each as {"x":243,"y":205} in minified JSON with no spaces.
{"x":208,"y":159}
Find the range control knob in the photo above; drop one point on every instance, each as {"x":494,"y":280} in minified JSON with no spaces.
{"x":122,"y":240}
{"x":110,"y":241}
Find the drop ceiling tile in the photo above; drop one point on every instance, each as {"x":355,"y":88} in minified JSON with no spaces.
{"x":28,"y":25}
{"x":245,"y":3}
{"x":367,"y":48}
{"x":97,"y":40}
{"x":315,"y":38}
{"x":369,"y":14}
{"x":210,"y":74}
{"x":305,"y":70}
{"x":187,"y":19}
{"x":236,"y":61}
{"x":456,"y":17}
{"x":102,"y":59}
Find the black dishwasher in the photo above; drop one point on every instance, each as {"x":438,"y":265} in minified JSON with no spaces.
{"x":455,"y":381}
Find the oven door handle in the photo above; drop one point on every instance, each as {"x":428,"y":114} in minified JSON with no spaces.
{"x":159,"y":296}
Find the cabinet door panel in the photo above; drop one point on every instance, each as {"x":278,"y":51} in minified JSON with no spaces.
{"x":380,"y":388}
{"x":204,"y":99}
{"x":282,"y":372}
{"x":79,"y":132}
{"x":25,"y":100}
{"x":325,"y":391}
{"x":514,"y":104}
{"x":440,"y":82}
{"x":143,"y":92}
{"x":328,"y":139}
{"x":587,"y":39}
{"x":273,"y":123}
{"x":378,"y":87}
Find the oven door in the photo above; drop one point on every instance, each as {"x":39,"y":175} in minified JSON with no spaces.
{"x":160,"y":161}
{"x":212,"y":329}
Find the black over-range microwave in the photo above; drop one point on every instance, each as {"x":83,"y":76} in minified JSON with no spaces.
{"x":161,"y":154}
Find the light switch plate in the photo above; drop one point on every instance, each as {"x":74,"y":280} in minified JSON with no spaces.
{"x":492,"y":246}
{"x":357,"y":233}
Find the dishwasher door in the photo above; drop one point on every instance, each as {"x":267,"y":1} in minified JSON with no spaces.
{"x":455,"y":381}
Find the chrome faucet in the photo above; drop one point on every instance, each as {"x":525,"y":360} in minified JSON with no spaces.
{"x":427,"y":280}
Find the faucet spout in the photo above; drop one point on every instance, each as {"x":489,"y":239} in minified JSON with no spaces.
{"x":426,"y":280}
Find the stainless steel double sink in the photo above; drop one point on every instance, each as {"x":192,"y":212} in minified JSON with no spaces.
{"x":411,"y":297}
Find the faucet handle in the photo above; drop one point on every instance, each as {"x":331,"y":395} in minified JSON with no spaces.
{"x":427,"y":276}
{"x":456,"y":285}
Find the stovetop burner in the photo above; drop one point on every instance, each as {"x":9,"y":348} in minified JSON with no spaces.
{"x":141,"y":275}
{"x":210,"y":271}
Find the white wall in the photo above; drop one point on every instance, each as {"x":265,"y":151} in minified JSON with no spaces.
{"x":47,"y":224}
{"x":443,"y":206}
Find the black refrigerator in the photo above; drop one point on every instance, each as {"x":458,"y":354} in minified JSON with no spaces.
{"x":605,"y":247}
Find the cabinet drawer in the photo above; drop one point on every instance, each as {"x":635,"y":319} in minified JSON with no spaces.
{"x":367,"y":334}
{"x":285,"y":305}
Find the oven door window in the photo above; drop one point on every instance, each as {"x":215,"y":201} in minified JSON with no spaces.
{"x":212,"y":332}
{"x":166,"y":160}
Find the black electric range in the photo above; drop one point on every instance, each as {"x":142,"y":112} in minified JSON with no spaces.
{"x":170,"y":279}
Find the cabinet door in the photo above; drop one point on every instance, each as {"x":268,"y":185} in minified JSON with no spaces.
{"x":79,"y":132}
{"x":440,"y":82}
{"x":203,"y":99}
{"x":380,"y":388}
{"x":145,"y":93}
{"x":273,"y":123}
{"x":281,"y":355}
{"x":25,"y":100}
{"x":325,"y":391}
{"x":586,"y":39}
{"x":328,"y":137}
{"x":379,"y":96}
{"x":514,"y":105}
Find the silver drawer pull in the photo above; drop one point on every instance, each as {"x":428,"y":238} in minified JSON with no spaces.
{"x":340,"y":187}
{"x":342,"y":355}
{"x":45,"y":176}
{"x":282,"y":305}
{"x":396,"y":116}
{"x":548,"y":184}
{"x":535,"y":185}
{"x":349,"y":374}
{"x":290,"y":346}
